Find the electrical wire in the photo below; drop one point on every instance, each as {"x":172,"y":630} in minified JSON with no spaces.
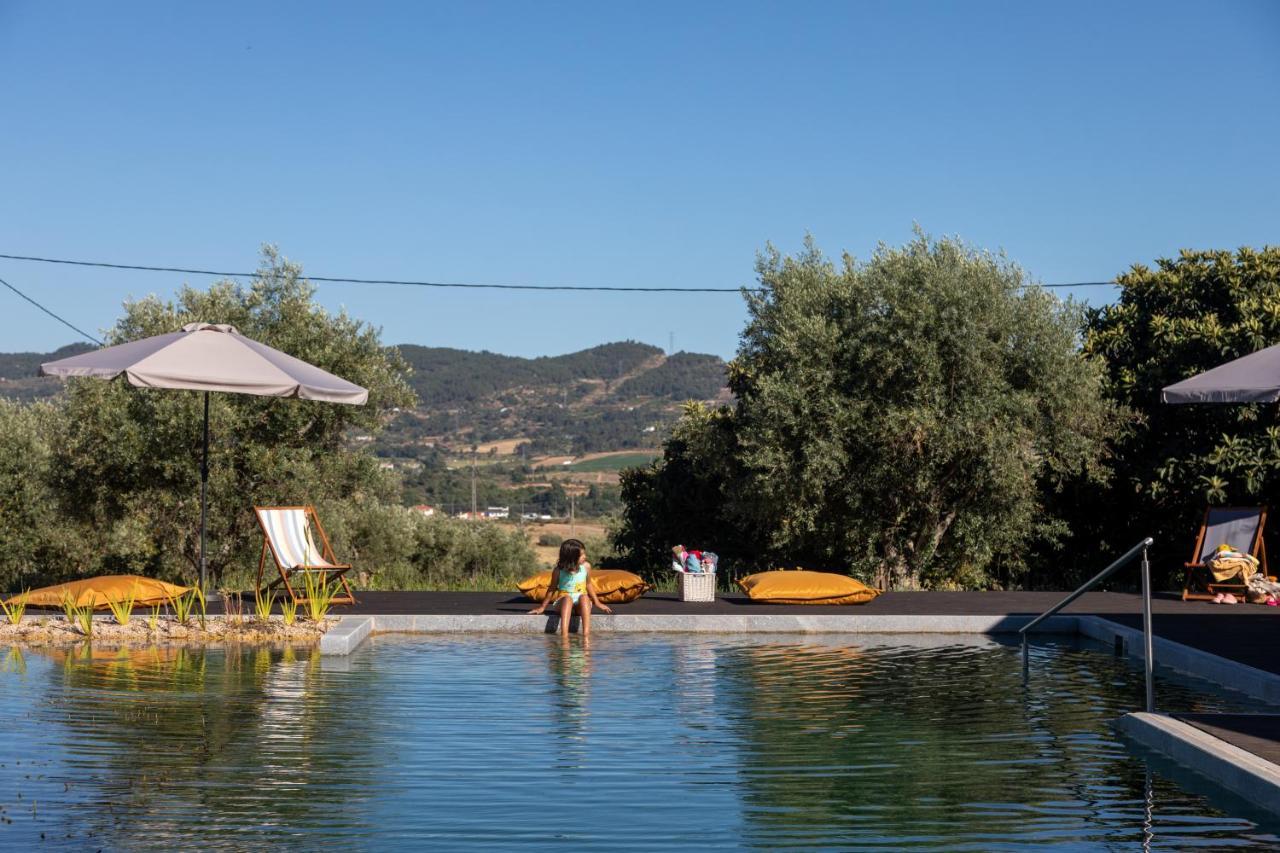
{"x":401,"y":282}
{"x":407,"y":283}
{"x":61,"y":320}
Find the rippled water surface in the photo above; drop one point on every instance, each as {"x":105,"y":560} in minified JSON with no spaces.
{"x":637,"y":742}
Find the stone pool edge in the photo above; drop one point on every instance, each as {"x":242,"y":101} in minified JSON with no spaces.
{"x":351,"y":631}
{"x":1239,"y":771}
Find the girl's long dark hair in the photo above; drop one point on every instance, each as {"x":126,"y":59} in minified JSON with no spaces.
{"x":570,"y":553}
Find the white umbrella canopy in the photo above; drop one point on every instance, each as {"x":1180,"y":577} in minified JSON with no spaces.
{"x":208,"y":357}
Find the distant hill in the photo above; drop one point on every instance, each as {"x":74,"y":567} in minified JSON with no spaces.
{"x":607,"y":376}
{"x":26,"y":365}
{"x":443,"y":375}
{"x":524,"y":417}
{"x":683,"y":376}
{"x":20,"y":377}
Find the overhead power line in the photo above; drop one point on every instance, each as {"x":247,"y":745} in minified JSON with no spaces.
{"x":61,"y":320}
{"x":401,"y":282}
{"x":408,"y":283}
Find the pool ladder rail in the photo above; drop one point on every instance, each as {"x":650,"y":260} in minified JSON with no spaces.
{"x":1125,"y":559}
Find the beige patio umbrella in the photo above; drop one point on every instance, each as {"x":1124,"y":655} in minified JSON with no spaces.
{"x":1252,"y":378}
{"x":206,"y":357}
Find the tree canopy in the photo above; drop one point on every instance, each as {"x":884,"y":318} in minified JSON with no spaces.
{"x":1181,"y":317}
{"x":900,"y":418}
{"x":118,"y":465}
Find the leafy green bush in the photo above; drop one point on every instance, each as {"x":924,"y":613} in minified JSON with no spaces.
{"x":38,"y":543}
{"x":550,"y":540}
{"x":452,"y":554}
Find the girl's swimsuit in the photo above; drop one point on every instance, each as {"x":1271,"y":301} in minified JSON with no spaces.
{"x":574,"y":583}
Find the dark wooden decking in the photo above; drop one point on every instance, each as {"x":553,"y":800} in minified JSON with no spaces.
{"x":1255,"y":733}
{"x":895,"y":603}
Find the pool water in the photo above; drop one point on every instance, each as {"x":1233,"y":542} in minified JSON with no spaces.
{"x":635,"y":742}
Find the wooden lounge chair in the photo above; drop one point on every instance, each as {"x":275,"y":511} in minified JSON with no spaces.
{"x":1238,"y":526}
{"x":287,"y":537}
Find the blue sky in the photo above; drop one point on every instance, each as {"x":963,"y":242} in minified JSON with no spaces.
{"x":615,"y":143}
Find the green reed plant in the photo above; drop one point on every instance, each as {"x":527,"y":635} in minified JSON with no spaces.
{"x":320,"y":593}
{"x":69,"y":607}
{"x":123,"y":610}
{"x":14,"y":608}
{"x":14,"y":661}
{"x":153,"y":619}
{"x":182,"y":605}
{"x":84,"y":618}
{"x":262,"y":604}
{"x":288,"y":611}
{"x":77,"y":615}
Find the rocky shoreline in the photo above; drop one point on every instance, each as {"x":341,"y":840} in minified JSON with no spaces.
{"x":55,"y":630}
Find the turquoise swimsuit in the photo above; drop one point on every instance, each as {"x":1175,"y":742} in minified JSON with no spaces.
{"x":573,"y":584}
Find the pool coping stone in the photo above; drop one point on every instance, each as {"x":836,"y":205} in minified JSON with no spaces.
{"x":1234,"y":675}
{"x":343,"y":638}
{"x":1235,"y":769}
{"x":351,"y":631}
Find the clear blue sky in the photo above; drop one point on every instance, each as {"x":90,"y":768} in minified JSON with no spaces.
{"x":615,"y":143}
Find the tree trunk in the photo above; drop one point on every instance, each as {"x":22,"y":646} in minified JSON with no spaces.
{"x":894,"y":572}
{"x":901,"y":568}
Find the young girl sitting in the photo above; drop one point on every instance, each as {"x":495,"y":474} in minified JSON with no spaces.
{"x":572,"y":582}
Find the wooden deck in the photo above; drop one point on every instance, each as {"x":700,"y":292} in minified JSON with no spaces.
{"x":898,"y":603}
{"x":1255,"y":733}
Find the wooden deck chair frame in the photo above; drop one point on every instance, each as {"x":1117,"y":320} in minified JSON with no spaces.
{"x":334,"y":571}
{"x":1197,"y":571}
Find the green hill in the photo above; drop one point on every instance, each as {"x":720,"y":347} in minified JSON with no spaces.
{"x":683,"y":376}
{"x":26,"y":365}
{"x":619,"y":397}
{"x":19,"y":373}
{"x":443,"y":375}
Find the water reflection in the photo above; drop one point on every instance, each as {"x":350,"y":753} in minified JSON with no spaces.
{"x":153,"y":742}
{"x":570,"y":664}
{"x":14,"y":661}
{"x":675,"y":742}
{"x":917,"y":745}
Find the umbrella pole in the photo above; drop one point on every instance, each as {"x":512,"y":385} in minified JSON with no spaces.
{"x":204,"y":489}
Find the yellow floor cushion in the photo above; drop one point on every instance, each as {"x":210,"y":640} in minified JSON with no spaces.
{"x":613,"y":586}
{"x":99,"y":592}
{"x":804,"y":587}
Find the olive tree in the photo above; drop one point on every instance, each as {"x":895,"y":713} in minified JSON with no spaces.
{"x":124,"y":461}
{"x":901,"y":418}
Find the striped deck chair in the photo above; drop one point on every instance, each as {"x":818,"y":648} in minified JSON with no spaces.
{"x":1240,"y":527}
{"x":287,"y":537}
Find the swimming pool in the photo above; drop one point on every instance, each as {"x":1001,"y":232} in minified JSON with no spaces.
{"x":638,"y":742}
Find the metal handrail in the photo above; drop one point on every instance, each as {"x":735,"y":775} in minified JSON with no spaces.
{"x":1149,"y":665}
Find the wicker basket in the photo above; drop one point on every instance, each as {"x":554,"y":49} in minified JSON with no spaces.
{"x":697,"y":587}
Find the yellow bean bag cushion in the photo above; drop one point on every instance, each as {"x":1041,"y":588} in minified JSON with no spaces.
{"x":613,"y":586}
{"x":803,"y":587}
{"x":99,"y":592}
